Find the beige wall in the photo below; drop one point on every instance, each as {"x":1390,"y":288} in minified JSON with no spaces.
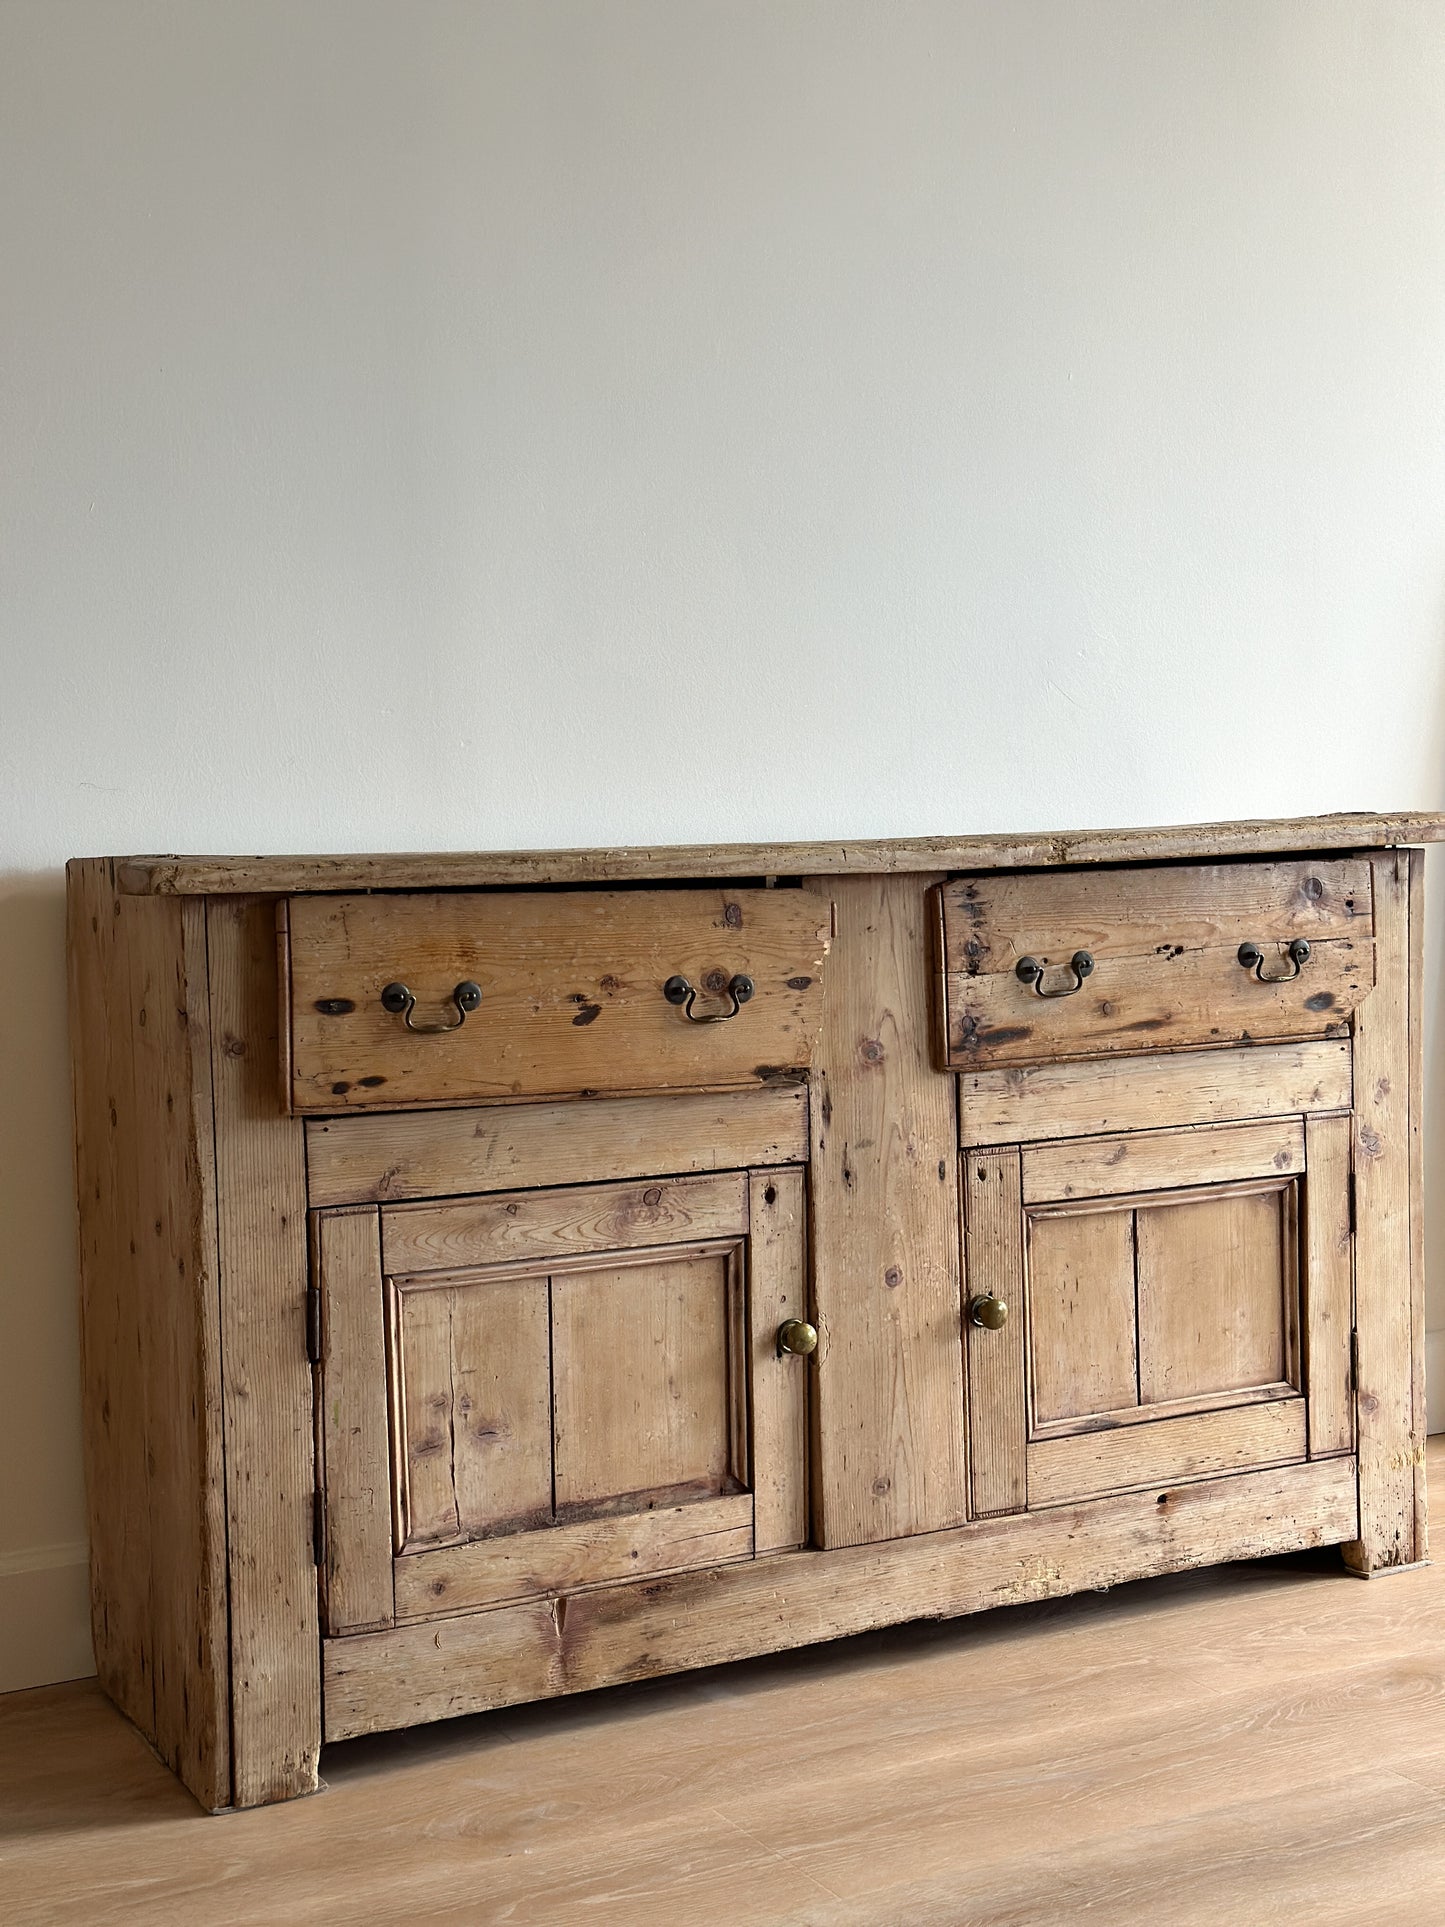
{"x":583,"y":420}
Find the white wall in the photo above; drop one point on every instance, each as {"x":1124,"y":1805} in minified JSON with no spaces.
{"x":473,"y":425}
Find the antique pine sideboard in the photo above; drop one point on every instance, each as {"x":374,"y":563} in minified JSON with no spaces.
{"x":509,"y":1275}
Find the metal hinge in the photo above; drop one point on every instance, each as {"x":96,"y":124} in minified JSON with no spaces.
{"x":1354,"y":1359}
{"x":313,"y":1323}
{"x":1352,"y":1203}
{"x":318,"y":1528}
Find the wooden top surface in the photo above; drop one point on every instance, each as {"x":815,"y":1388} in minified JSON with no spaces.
{"x":460,"y":870}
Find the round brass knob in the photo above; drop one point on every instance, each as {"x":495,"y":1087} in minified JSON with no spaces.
{"x":988,"y":1311}
{"x":797,"y":1336}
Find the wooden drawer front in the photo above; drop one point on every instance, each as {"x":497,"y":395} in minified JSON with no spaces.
{"x":571,"y":994}
{"x":1165,"y":946}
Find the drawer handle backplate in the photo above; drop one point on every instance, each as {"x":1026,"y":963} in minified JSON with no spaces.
{"x":678,"y":990}
{"x":397,"y":999}
{"x":1029,"y":970}
{"x":1252,"y":957}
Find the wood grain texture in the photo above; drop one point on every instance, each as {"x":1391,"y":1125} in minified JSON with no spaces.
{"x":707,"y":1531}
{"x":1166,"y":1451}
{"x":1416,"y":1040}
{"x":471,"y":1408}
{"x":476,"y":1661}
{"x":889,"y":1426}
{"x":994,"y":1265}
{"x":543,"y":1226}
{"x":1152,"y":1003}
{"x":778,"y":1382}
{"x":1179,"y":1089}
{"x":356,"y":1471}
{"x":270,"y":1444}
{"x":1196,"y":1403}
{"x":1156,"y":1160}
{"x":1390,"y":1447}
{"x":459,"y":870}
{"x":1081,"y":1327}
{"x":571,"y":987}
{"x":642,"y":1397}
{"x":1224,"y":1746}
{"x":1328,"y":1311}
{"x":1164,"y":944}
{"x":430,"y":1154}
{"x":990,"y":922}
{"x":1217,"y":1284}
{"x":150,"y":1320}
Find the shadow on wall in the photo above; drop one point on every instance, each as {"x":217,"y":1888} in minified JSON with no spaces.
{"x":44,"y":1591}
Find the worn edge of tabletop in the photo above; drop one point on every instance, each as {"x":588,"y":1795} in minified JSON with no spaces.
{"x":452,"y":870}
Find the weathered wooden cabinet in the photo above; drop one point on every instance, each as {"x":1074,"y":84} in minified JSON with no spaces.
{"x":508,"y":1275}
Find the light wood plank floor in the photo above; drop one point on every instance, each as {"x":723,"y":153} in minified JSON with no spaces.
{"x":1260,"y":1743}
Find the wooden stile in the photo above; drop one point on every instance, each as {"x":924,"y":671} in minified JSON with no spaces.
{"x":1329,"y":1286}
{"x":1416,"y":861}
{"x":1390,"y":1448}
{"x":266,"y":1376}
{"x":351,"y":1435}
{"x":889,"y":1427}
{"x":994,"y":1267}
{"x":778,"y":1290}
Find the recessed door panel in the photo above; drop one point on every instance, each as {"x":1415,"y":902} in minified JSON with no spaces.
{"x":470,"y":1410}
{"x":1082,"y":1333}
{"x":641,"y":1367}
{"x":1217,"y":1282}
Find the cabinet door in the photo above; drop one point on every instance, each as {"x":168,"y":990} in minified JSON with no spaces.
{"x":534,"y":1391}
{"x":1174,"y":1304}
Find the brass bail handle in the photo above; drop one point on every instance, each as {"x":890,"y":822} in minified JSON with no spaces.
{"x":1251,"y":956}
{"x":1029,"y":970}
{"x":678,"y":990}
{"x":400,"y":1002}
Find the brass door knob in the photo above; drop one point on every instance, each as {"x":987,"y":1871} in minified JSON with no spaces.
{"x":797,"y":1336}
{"x":988,"y":1311}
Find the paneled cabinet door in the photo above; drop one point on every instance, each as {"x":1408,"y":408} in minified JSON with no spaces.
{"x":540,"y":1390}
{"x":1156,"y":1307}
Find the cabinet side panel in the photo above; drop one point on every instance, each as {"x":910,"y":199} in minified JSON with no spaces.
{"x":884,"y":1185}
{"x":150,"y":1321}
{"x":270,"y":1454}
{"x":1417,"y":1185}
{"x":1391,"y":1450}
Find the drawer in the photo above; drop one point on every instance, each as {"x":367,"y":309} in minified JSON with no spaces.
{"x":1086,"y":963}
{"x":571,"y":994}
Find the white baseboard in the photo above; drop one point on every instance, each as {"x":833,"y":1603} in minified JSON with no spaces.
{"x":44,"y":1617}
{"x":1435,"y":1381}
